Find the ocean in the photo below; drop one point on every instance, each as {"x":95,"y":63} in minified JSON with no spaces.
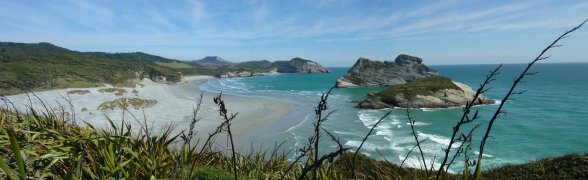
{"x":550,"y":119}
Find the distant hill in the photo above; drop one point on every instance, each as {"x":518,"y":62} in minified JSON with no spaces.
{"x":39,"y":66}
{"x":258,"y":68}
{"x":213,"y":60}
{"x":43,"y":66}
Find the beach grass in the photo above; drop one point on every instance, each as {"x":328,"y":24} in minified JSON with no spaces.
{"x":80,"y":92}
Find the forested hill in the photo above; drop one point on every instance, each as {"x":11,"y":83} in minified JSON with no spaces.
{"x":40,"y":66}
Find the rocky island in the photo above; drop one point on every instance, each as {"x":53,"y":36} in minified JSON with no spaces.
{"x":410,"y":84}
{"x":367,"y":73}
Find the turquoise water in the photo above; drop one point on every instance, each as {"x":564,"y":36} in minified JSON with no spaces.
{"x":550,"y":119}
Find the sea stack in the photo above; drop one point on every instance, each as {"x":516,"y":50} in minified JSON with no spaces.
{"x":368,"y":73}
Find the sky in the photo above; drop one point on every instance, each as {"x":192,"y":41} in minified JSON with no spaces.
{"x":334,"y":33}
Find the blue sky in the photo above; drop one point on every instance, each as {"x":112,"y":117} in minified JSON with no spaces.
{"x":334,"y":33}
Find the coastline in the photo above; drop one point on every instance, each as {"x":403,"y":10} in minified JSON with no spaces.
{"x":175,"y":103}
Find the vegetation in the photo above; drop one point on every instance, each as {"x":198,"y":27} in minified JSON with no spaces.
{"x":123,"y":103}
{"x":44,"y":66}
{"x":117,"y":91}
{"x":571,"y":166}
{"x":80,"y":92}
{"x":424,"y":86}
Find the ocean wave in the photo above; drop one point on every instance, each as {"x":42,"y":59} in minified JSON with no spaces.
{"x":344,"y":133}
{"x":383,"y":129}
{"x":366,"y":145}
{"x":435,"y":138}
{"x":419,"y":124}
{"x":429,"y":109}
{"x":484,"y":155}
{"x":299,"y":124}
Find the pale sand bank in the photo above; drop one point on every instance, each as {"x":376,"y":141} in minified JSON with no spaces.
{"x":175,"y":104}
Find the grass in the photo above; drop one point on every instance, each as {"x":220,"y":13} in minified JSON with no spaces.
{"x":43,"y":66}
{"x":424,"y":86}
{"x":117,"y":91}
{"x":80,"y":92}
{"x":123,"y":103}
{"x":571,"y":166}
{"x":57,"y":148}
{"x":111,"y":90}
{"x":175,"y":65}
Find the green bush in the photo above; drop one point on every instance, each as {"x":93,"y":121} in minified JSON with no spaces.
{"x":211,"y":172}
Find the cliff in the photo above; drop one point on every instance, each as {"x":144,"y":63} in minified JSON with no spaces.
{"x":367,"y":73}
{"x":429,"y":92}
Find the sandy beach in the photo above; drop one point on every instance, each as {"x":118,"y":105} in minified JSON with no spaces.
{"x":175,"y":103}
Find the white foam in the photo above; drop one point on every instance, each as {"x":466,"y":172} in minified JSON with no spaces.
{"x":366,"y":145}
{"x":345,"y":133}
{"x":484,"y":155}
{"x":429,"y":109}
{"x":435,"y":138}
{"x":299,"y":124}
{"x":419,"y":124}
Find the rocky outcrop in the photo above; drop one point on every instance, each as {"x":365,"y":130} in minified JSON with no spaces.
{"x":367,"y":73}
{"x":160,"y":79}
{"x":299,"y":65}
{"x":170,"y":80}
{"x":443,"y":98}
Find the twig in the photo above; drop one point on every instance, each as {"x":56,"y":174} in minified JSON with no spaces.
{"x":227,"y":120}
{"x":416,"y":138}
{"x":188,"y":138}
{"x":319,"y":109}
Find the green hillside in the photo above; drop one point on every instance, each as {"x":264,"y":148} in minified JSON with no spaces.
{"x":41,"y":66}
